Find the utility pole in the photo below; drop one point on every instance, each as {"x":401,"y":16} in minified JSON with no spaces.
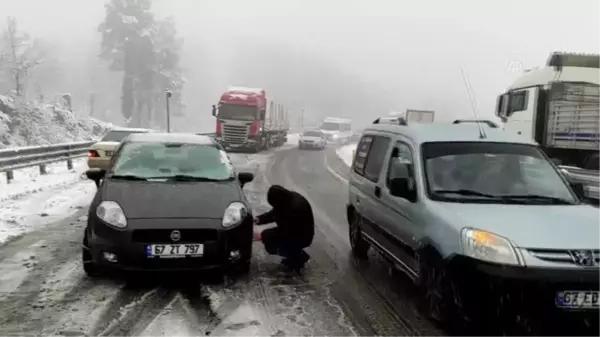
{"x":168,"y":98}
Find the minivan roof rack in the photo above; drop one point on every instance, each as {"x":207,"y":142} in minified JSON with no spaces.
{"x":484,"y":121}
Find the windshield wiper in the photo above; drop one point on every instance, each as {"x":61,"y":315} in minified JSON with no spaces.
{"x":185,"y":177}
{"x":533,"y":197}
{"x":466,"y":192}
{"x":127,"y":177}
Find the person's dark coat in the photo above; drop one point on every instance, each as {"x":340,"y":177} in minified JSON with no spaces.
{"x":293,"y":215}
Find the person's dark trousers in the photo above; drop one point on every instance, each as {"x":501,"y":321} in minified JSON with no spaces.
{"x":294,"y":255}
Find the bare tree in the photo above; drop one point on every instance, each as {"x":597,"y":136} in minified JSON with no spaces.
{"x":20,"y":54}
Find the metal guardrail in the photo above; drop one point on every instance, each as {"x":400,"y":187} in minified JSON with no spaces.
{"x":22,"y":157}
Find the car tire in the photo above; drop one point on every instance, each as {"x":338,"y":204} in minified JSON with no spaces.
{"x":90,"y":268}
{"x":442,"y":298}
{"x":360,"y":247}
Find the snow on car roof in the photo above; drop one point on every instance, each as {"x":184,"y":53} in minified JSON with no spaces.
{"x":187,"y":138}
{"x":131,"y":129}
{"x":442,"y":132}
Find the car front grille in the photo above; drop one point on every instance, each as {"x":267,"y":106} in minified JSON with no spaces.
{"x":164,"y":235}
{"x":583,"y":258}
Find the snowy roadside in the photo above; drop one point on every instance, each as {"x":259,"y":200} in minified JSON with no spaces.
{"x":22,"y":215}
{"x":29,"y":180}
{"x":33,"y":200}
{"x":346,"y":153}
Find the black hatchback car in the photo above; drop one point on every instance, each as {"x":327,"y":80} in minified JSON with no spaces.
{"x":168,"y":202}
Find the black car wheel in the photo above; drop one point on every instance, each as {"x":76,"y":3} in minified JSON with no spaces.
{"x":359,"y":245}
{"x":89,"y":267}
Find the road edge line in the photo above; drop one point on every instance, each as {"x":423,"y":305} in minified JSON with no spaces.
{"x":335,"y":174}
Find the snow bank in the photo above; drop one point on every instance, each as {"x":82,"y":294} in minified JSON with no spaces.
{"x":346,"y":153}
{"x":23,"y":124}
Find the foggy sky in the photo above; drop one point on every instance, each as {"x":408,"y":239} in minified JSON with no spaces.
{"x":409,"y":51}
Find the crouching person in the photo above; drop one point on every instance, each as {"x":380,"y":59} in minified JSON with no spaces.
{"x":295,"y":226}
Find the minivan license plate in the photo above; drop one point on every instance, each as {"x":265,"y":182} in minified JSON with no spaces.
{"x":577,"y":299}
{"x":175,"y":250}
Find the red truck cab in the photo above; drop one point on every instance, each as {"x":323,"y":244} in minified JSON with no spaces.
{"x":240,"y":115}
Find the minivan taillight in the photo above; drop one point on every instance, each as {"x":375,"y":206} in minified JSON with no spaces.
{"x":219,"y":128}
{"x":93,"y":154}
{"x":254,"y":128}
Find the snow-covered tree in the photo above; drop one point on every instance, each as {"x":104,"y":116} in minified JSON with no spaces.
{"x":147,"y":52}
{"x":20,"y":55}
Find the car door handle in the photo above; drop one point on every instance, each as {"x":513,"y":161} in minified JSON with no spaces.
{"x":377,"y":191}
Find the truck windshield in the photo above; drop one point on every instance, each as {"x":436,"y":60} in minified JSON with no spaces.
{"x":498,"y":171}
{"x":328,"y":126}
{"x":240,"y":112}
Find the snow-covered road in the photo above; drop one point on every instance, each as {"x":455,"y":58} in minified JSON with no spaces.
{"x":43,"y":289}
{"x":346,"y":153}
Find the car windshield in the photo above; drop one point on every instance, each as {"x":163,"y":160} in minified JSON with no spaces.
{"x":116,"y":136}
{"x":239,"y":112}
{"x":312,"y":134}
{"x":161,"y":160}
{"x":490,"y":171}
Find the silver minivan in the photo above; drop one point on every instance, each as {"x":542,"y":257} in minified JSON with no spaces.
{"x":477,"y":217}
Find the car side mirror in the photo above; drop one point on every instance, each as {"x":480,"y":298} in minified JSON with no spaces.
{"x":95,"y":175}
{"x":401,"y":188}
{"x":214,"y":110}
{"x":245,"y":177}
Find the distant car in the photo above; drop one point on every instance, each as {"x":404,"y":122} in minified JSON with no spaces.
{"x":170,"y":202}
{"x":312,"y":139}
{"x":100,"y":153}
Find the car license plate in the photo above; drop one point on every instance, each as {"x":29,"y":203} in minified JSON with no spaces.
{"x":175,"y":250}
{"x":577,"y":299}
{"x":108,"y":153}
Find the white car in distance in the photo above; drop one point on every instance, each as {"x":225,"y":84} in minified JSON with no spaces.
{"x":312,"y":139}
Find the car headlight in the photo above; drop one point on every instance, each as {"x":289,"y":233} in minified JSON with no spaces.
{"x":488,"y":247}
{"x":234,"y":214}
{"x":111,"y":213}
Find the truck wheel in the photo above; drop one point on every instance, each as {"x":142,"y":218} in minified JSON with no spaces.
{"x":267,"y":143}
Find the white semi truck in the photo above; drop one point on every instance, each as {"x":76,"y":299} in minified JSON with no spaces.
{"x":558,"y":106}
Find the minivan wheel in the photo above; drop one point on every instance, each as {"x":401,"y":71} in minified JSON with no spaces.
{"x":360,"y":247}
{"x":443,"y":300}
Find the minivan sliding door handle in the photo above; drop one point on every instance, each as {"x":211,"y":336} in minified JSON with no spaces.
{"x":378,"y":191}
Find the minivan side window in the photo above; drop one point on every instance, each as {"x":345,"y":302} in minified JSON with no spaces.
{"x":360,"y":157}
{"x":401,"y":164}
{"x":376,"y":158}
